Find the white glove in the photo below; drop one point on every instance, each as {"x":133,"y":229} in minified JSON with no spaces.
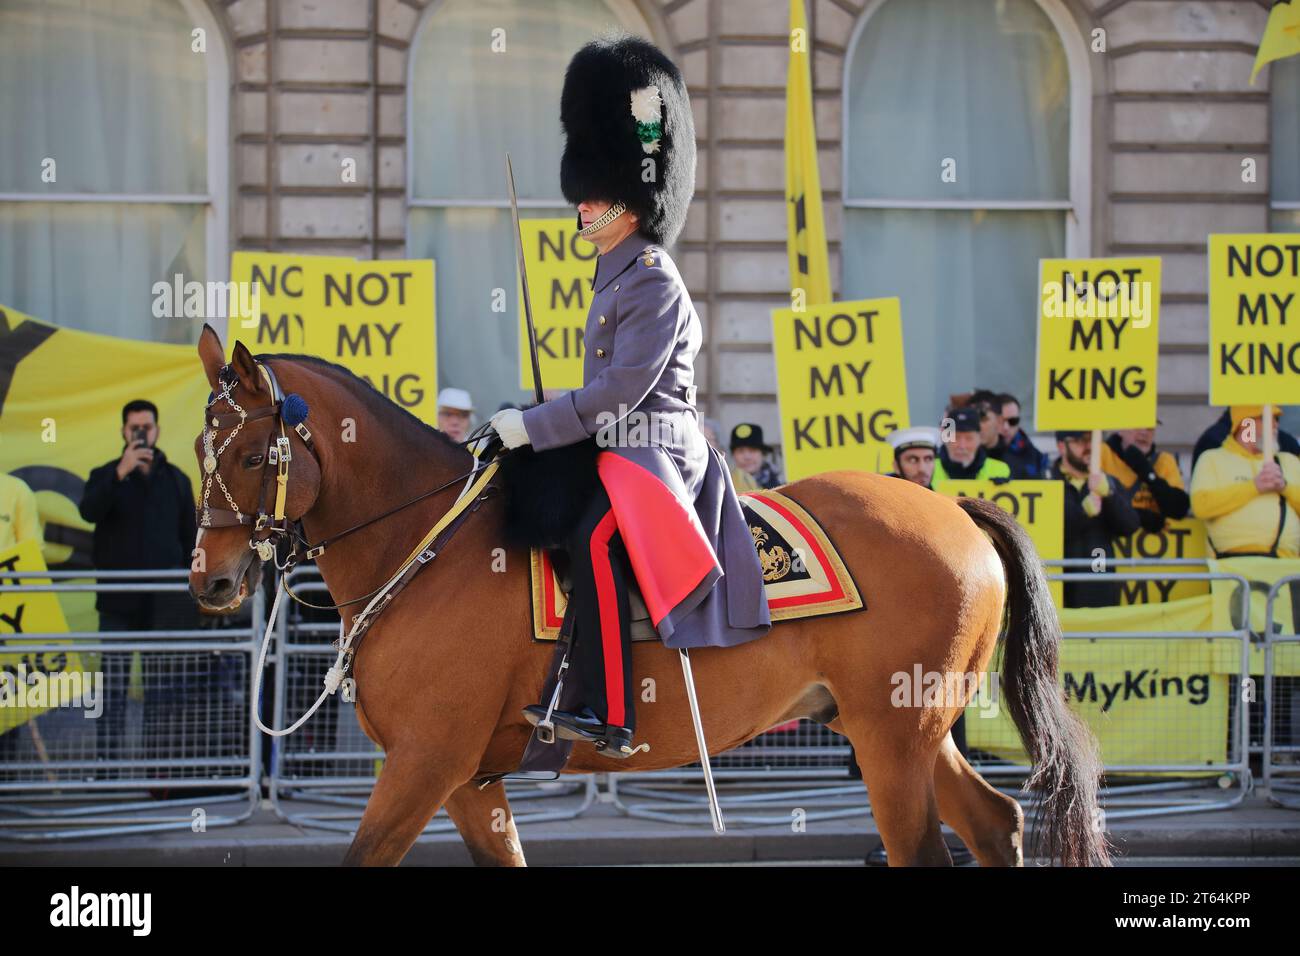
{"x":509,"y":424}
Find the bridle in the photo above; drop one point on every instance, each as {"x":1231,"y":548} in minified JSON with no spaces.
{"x":289,"y":410}
{"x":275,"y":470}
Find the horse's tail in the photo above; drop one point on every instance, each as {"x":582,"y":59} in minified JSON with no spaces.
{"x":1065,"y":762}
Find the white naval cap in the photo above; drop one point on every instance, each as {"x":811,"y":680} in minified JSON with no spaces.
{"x":921,"y":437}
{"x":456,"y":398}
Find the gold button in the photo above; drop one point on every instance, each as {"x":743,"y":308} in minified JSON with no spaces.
{"x":649,"y":261}
{"x":602,"y":320}
{"x":600,"y":353}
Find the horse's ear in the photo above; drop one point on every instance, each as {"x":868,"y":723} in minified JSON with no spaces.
{"x":211,"y":354}
{"x":245,"y":367}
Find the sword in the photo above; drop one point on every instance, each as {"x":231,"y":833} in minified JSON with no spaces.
{"x":715,"y":810}
{"x":523,"y":280}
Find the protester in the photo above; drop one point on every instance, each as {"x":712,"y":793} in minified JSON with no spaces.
{"x":1214,"y":436}
{"x":143,"y":510}
{"x":963,"y":454}
{"x":989,"y":406}
{"x":454,"y":410}
{"x":914,"y":454}
{"x":1020,"y":454}
{"x":1151,"y":477}
{"x":1097,"y":511}
{"x":751,"y":471}
{"x":1249,"y":506}
{"x":19,"y":516}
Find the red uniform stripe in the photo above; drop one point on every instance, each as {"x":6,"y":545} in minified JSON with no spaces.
{"x":610,"y":634}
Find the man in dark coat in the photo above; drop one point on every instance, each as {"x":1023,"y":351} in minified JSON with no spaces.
{"x":1097,"y":511}
{"x":142,"y":507}
{"x":665,"y":503}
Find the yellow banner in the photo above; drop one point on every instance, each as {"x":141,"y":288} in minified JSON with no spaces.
{"x":1149,"y":702}
{"x":54,"y":434}
{"x":1183,"y":538}
{"x":841,"y":384}
{"x":49,"y":678}
{"x":374,"y":318}
{"x":1254,"y":319}
{"x":1037,"y":506}
{"x":1098,"y":343}
{"x":810,"y":271}
{"x":560,"y":267}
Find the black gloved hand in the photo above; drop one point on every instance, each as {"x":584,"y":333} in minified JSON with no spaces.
{"x":1136,"y":459}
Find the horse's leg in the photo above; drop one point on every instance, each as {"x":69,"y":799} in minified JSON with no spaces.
{"x":903,"y":804}
{"x":409,"y":791}
{"x":486,"y":824}
{"x":989,"y":822}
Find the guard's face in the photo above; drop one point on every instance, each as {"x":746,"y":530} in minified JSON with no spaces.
{"x":592,"y":209}
{"x":1010,"y":420}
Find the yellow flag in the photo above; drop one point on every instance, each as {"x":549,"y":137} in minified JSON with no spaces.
{"x":806,"y":231}
{"x":1281,"y":35}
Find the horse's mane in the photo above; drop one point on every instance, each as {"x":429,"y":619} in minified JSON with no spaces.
{"x":376,"y":401}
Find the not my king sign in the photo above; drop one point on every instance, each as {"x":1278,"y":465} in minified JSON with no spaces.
{"x":841,"y":385}
{"x":1098,"y":344}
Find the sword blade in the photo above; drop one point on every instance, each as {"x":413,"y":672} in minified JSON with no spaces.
{"x":715,"y":809}
{"x":523,"y":281}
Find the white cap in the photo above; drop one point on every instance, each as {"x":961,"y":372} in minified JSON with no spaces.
{"x":904,"y":438}
{"x":456,"y":398}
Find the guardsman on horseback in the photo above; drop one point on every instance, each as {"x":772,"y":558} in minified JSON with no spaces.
{"x":665,"y":507}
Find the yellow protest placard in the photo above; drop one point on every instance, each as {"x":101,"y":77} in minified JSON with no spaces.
{"x":1182,"y":538}
{"x":1037,"y":506}
{"x":283,"y":282}
{"x":1098,"y":343}
{"x":377,"y":319}
{"x":32,"y":682}
{"x":841,"y":385}
{"x":1254,"y":319}
{"x":560,"y":267}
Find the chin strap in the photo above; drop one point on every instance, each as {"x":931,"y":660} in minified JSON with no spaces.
{"x":610,"y":215}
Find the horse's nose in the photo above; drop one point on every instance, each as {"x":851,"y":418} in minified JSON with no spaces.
{"x":218,"y":587}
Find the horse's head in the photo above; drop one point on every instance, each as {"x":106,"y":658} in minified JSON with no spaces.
{"x":258,"y":473}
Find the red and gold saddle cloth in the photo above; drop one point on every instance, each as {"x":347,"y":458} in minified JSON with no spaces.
{"x":803,"y":574}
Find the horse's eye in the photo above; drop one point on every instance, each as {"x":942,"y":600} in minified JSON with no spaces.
{"x":252,"y":461}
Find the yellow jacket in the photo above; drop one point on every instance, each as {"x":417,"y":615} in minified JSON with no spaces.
{"x":743,"y":481}
{"x":19,"y":517}
{"x":1237,"y":517}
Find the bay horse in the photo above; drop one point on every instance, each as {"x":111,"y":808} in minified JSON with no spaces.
{"x":444,"y":672}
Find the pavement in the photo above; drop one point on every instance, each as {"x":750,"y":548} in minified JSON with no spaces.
{"x":1254,"y":833}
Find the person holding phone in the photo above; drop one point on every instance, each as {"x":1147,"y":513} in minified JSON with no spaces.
{"x":142,"y":507}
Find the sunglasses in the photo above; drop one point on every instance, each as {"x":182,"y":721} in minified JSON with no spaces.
{"x":1013,"y":422}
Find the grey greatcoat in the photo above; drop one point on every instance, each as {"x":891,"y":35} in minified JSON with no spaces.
{"x":641,"y":339}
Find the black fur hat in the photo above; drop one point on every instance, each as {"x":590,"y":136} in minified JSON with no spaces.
{"x":607,"y":147}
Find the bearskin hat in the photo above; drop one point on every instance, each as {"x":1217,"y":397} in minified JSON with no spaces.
{"x":624,"y":103}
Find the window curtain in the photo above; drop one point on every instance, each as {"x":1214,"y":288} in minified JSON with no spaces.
{"x":1284,"y":168}
{"x":110,"y":90}
{"x":984,"y":83}
{"x":469,"y":107}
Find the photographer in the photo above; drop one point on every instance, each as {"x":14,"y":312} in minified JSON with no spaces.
{"x":143,"y":510}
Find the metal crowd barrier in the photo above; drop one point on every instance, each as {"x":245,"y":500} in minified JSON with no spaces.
{"x":322,"y":774}
{"x":763,"y":782}
{"x":173,"y":721}
{"x":1281,"y":756}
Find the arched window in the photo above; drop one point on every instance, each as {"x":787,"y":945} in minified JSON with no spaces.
{"x":113,"y":170}
{"x":965,"y":162}
{"x":485,"y":80}
{"x":1284,"y":169}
